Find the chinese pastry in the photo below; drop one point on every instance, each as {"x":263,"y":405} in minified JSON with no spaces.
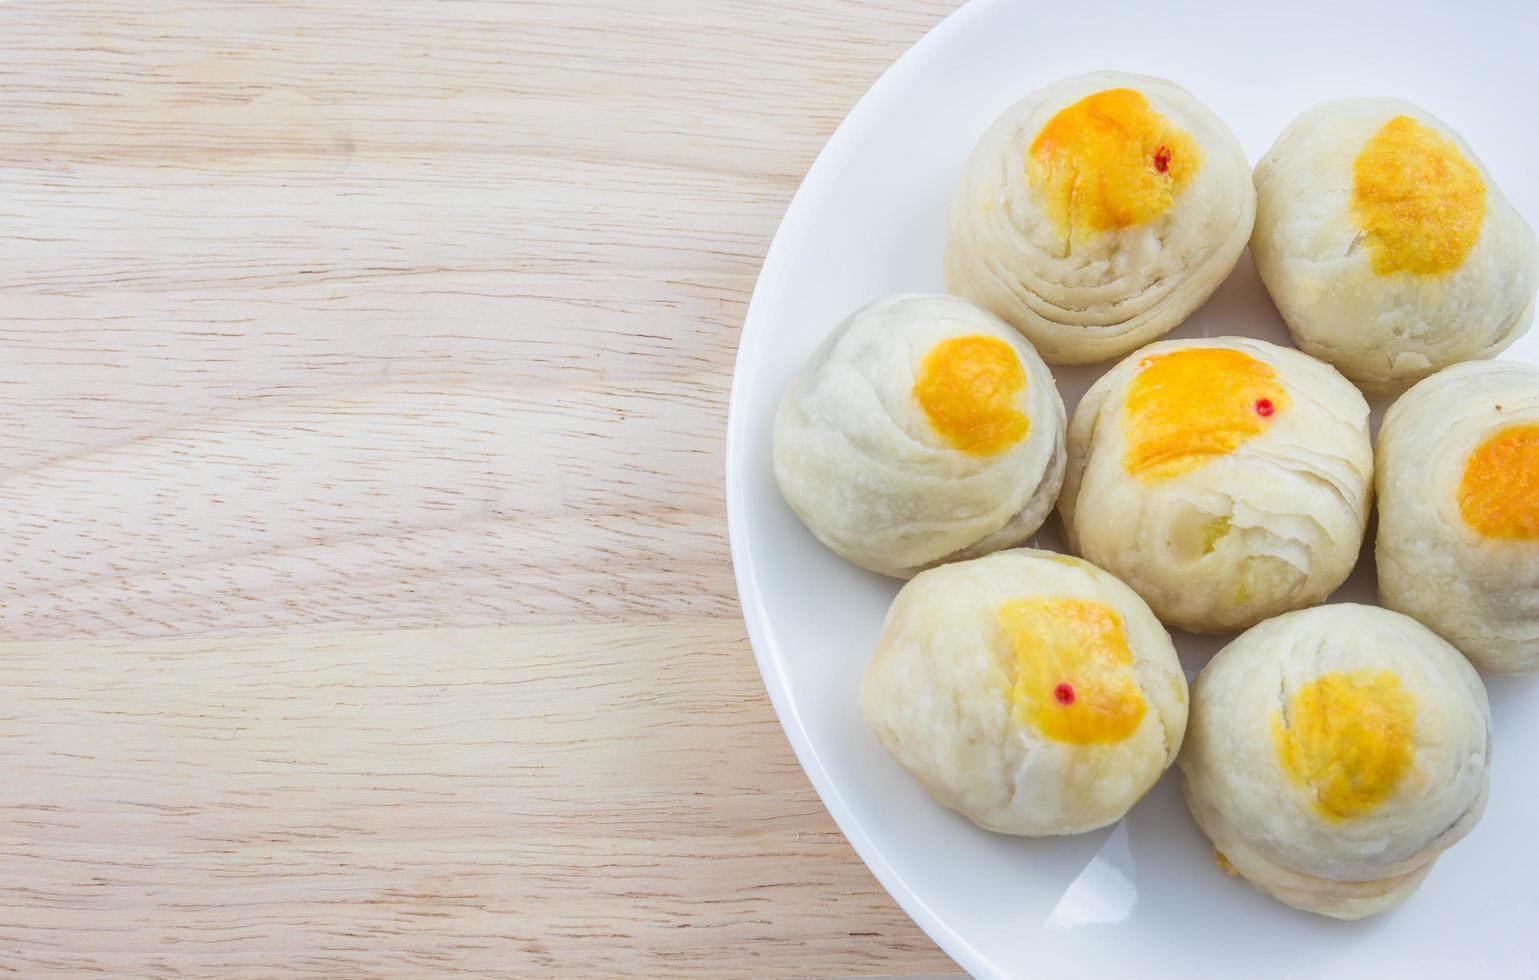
{"x":923,"y":430}
{"x":1224,"y":480}
{"x":1386,"y":246}
{"x":1334,"y":753}
{"x":1096,"y":214}
{"x":1031,"y":692}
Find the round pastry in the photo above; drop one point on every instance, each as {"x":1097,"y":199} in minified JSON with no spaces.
{"x":1458,"y":482}
{"x":1386,"y":246}
{"x":1098,"y":213}
{"x":922,"y":430}
{"x":1334,"y":753}
{"x":1031,"y":692}
{"x":1225,"y":480}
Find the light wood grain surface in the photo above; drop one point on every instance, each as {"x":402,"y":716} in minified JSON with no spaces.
{"x":366,"y":604}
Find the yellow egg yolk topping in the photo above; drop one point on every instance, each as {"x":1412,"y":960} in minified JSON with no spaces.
{"x":968,"y":388}
{"x":1348,"y":739}
{"x":1188,"y":407}
{"x":1417,"y":199}
{"x":1074,"y":679}
{"x":1109,"y":161}
{"x":1499,"y":494}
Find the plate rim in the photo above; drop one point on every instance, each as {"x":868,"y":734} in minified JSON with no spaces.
{"x":750,"y":600}
{"x":802,"y":711}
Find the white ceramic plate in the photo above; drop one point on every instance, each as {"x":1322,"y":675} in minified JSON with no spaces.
{"x":1145,"y":898}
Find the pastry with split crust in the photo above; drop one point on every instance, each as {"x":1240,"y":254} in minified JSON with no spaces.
{"x":1225,"y":480}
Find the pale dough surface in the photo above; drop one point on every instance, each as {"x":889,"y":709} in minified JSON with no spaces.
{"x":1291,"y":503}
{"x":1481,"y":594}
{"x":1268,"y":827}
{"x":1098,"y":299}
{"x":863,"y":467}
{"x":936,"y":695}
{"x":1385,"y":332}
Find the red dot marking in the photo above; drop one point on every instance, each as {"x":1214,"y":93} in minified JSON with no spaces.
{"x":1264,"y":407}
{"x":1162,"y":159}
{"x":1064,"y":694}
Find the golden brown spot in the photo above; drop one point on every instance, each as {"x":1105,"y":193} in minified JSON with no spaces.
{"x":1188,"y":407}
{"x":1074,"y":678}
{"x":1109,"y":161}
{"x":1417,"y":199}
{"x":1223,"y":864}
{"x":1499,"y":494}
{"x":1347,"y":738}
{"x":968,"y":388}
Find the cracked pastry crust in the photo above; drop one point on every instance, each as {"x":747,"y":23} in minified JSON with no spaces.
{"x":1029,"y":691}
{"x":923,"y":430}
{"x":1096,"y":214}
{"x":1334,"y":753}
{"x":1386,"y":246}
{"x":1224,"y":480}
{"x":1458,"y":484}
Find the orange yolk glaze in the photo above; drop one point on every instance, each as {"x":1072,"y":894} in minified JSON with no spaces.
{"x":1109,"y":161}
{"x":1188,"y":407}
{"x":968,"y":388}
{"x":1073,"y":679}
{"x":1348,"y":739}
{"x":1499,"y":494}
{"x":1417,"y":199}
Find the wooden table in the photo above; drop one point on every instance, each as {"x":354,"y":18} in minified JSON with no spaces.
{"x":365,"y":597}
